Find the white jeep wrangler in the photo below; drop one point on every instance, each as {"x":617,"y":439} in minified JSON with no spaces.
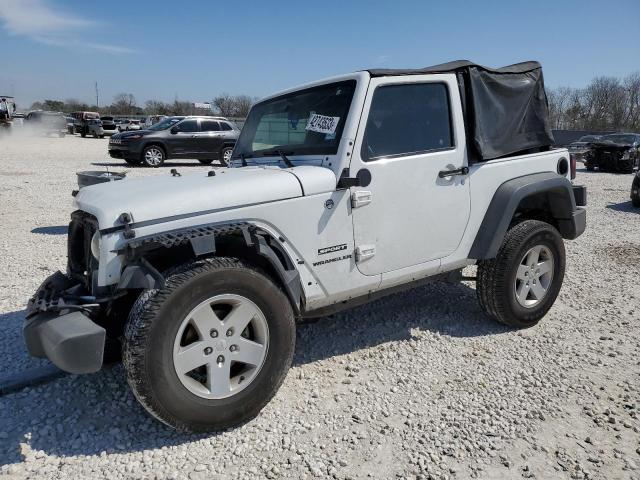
{"x":341,"y":191}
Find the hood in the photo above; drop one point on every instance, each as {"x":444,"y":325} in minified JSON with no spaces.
{"x":164,"y":196}
{"x":604,"y":145}
{"x":129,"y":133}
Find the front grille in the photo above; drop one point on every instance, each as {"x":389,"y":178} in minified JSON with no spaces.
{"x":115,"y":141}
{"x":80,"y":262}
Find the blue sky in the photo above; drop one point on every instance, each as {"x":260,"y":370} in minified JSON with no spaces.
{"x":197,"y":49}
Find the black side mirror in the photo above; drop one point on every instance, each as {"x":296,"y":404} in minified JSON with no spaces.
{"x":362,"y":179}
{"x":174,"y":130}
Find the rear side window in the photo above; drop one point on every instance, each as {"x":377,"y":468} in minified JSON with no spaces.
{"x":190,"y":125}
{"x":407,"y":119}
{"x":225,"y":126}
{"x":209,"y":126}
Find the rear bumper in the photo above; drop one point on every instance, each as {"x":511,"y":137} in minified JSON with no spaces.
{"x":572,"y":228}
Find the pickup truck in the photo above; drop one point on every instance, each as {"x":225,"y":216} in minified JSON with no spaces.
{"x":339,"y":192}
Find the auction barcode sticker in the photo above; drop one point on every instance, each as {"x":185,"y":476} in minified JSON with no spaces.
{"x":322,"y":123}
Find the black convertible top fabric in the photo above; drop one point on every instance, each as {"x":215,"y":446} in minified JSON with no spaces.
{"x":506,"y":109}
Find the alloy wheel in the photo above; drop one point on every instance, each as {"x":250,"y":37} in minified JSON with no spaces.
{"x":153,"y":156}
{"x":534,"y":276}
{"x":221,"y":346}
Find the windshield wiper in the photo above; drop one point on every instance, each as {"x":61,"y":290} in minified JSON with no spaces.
{"x":280,"y":153}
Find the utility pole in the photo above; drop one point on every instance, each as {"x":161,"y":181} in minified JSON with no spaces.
{"x":97,"y":97}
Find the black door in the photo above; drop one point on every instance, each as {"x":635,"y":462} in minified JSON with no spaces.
{"x":210,"y":137}
{"x":183,"y":139}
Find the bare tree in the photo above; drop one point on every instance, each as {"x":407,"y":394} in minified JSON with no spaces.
{"x":156,"y":107}
{"x":124,"y":103}
{"x":232,"y":105}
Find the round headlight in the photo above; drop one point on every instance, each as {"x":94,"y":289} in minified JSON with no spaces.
{"x":95,"y":245}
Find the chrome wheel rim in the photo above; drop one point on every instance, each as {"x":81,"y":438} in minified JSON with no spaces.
{"x":220,"y":346}
{"x":226,"y":155}
{"x":153,"y":156}
{"x":534,"y":276}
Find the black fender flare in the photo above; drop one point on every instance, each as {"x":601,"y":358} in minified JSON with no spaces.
{"x":138,"y":273}
{"x":560,"y":199}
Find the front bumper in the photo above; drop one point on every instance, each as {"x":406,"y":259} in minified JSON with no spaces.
{"x":57,"y":327}
{"x":124,"y":150}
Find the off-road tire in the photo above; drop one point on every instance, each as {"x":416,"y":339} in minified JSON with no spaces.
{"x":153,"y":324}
{"x":496,"y":277}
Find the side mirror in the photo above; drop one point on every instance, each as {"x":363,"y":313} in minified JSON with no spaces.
{"x":362,"y":179}
{"x":174,"y":130}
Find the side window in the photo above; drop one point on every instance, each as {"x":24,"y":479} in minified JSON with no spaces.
{"x":209,"y":126}
{"x":189,"y":125}
{"x":407,"y":119}
{"x":225,"y":126}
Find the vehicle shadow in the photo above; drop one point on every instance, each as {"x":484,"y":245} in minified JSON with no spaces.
{"x":91,"y":414}
{"x":170,"y":163}
{"x":52,"y":230}
{"x":626,"y":207}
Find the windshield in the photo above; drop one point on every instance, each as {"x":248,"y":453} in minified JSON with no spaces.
{"x":165,"y":123}
{"x":621,"y":138}
{"x":589,"y":138}
{"x":304,"y":122}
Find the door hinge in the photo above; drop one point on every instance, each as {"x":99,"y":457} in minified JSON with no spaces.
{"x":364,"y":252}
{"x":360,"y":198}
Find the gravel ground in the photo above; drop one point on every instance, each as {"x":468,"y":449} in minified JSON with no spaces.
{"x":417,"y":385}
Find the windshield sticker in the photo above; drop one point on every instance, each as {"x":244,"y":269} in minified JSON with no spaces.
{"x":322,"y":124}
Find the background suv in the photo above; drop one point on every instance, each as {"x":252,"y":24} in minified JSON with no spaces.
{"x":199,"y":137}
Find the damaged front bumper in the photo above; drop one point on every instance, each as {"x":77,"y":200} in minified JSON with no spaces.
{"x":59,"y":328}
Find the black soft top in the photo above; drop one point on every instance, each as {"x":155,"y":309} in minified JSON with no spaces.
{"x":506,"y":109}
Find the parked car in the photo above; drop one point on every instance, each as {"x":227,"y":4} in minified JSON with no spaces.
{"x":617,"y":152}
{"x":70,"y":125}
{"x":348,"y":189}
{"x":94,"y":128}
{"x":81,"y":121}
{"x":581,"y":146}
{"x":109,"y":125}
{"x":125,"y":125}
{"x":202,"y":138}
{"x":47,"y":123}
{"x":635,"y":190}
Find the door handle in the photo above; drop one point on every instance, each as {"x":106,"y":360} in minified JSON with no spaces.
{"x":451,"y":173}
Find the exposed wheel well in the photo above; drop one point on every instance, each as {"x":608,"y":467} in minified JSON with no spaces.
{"x":261,"y":250}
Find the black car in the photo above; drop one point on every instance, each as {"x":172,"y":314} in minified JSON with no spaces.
{"x":202,"y":138}
{"x":618,"y":152}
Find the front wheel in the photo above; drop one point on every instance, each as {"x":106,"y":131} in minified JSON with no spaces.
{"x":153,"y":156}
{"x":211,"y":348}
{"x":226,"y":155}
{"x":519,"y":286}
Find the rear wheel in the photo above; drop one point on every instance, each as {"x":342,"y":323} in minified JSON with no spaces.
{"x":635,"y":192}
{"x":211,"y":348}
{"x":153,"y":156}
{"x":520,"y":285}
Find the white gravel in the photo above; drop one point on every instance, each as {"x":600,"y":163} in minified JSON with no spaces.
{"x":417,"y":385}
